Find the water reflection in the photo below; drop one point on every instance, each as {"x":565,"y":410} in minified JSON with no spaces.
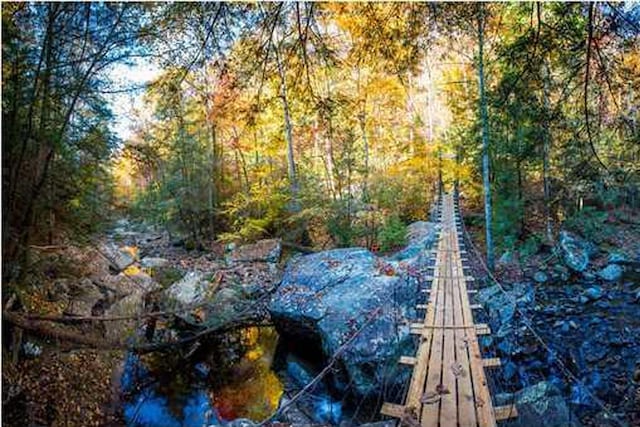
{"x":159,"y":390}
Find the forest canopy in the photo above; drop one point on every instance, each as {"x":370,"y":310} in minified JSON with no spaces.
{"x":326,"y":124}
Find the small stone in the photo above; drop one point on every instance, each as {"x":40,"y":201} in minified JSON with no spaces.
{"x":506,"y":258}
{"x":153,"y":262}
{"x":573,"y":324}
{"x":593,"y":293}
{"x":31,"y":349}
{"x":617,"y":258}
{"x":611,"y":272}
{"x":575,"y":251}
{"x":540,"y":277}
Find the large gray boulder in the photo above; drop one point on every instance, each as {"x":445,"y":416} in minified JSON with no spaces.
{"x":575,"y":252}
{"x":325,"y":298}
{"x":540,"y":405}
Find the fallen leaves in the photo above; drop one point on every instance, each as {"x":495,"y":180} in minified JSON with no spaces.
{"x":434,"y":396}
{"x":458,"y":370}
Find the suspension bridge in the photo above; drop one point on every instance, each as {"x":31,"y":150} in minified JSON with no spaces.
{"x":448,"y":386}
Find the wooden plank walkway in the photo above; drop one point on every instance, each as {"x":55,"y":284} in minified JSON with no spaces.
{"x":448,"y":386}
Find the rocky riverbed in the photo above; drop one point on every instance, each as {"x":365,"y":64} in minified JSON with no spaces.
{"x":588,"y":313}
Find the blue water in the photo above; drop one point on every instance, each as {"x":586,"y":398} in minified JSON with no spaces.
{"x":151,"y":409}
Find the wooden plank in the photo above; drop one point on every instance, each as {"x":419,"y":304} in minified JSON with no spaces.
{"x":407,"y":360}
{"x":418,"y":325}
{"x":392,"y":410}
{"x":466,"y":402}
{"x":429,"y":416}
{"x":492,"y":362}
{"x":482,"y":397}
{"x":483,"y":329}
{"x":448,"y":384}
{"x":416,"y":384}
{"x":505,"y":412}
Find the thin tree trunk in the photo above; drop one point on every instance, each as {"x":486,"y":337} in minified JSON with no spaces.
{"x":545,"y":155}
{"x":288,"y":131}
{"x":485,"y":143}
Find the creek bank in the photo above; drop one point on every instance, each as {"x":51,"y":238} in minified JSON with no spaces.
{"x":591,"y":328}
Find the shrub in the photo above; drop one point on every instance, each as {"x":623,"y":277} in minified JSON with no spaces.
{"x":589,"y":222}
{"x":392,"y":234}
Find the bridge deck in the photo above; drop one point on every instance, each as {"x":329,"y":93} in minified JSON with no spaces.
{"x":448,"y":386}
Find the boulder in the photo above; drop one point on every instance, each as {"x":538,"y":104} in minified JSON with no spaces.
{"x":121,"y":258}
{"x":262,"y":251}
{"x":154,"y":262}
{"x":84,"y":295}
{"x":574,"y":251}
{"x":130,"y":305}
{"x":317,"y":402}
{"x":191,"y":289}
{"x":420,"y":235}
{"x":324,"y":298}
{"x":611,"y":272}
{"x":540,"y":405}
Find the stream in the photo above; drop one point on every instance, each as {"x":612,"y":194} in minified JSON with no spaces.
{"x":242,"y":375}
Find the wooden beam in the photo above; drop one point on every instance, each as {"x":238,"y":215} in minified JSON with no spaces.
{"x":493,"y":362}
{"x":478,"y":326}
{"x":407,"y":360}
{"x":392,"y":410}
{"x":505,"y":412}
{"x":483,"y":329}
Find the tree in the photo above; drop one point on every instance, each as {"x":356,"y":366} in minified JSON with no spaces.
{"x":484,"y":119}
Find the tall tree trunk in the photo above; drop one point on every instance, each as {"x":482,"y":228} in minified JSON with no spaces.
{"x":484,"y":119}
{"x":212,"y":191}
{"x":545,"y":154}
{"x":362,"y":119}
{"x":288,"y":130}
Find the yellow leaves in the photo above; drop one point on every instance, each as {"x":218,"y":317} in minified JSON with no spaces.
{"x":132,"y":270}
